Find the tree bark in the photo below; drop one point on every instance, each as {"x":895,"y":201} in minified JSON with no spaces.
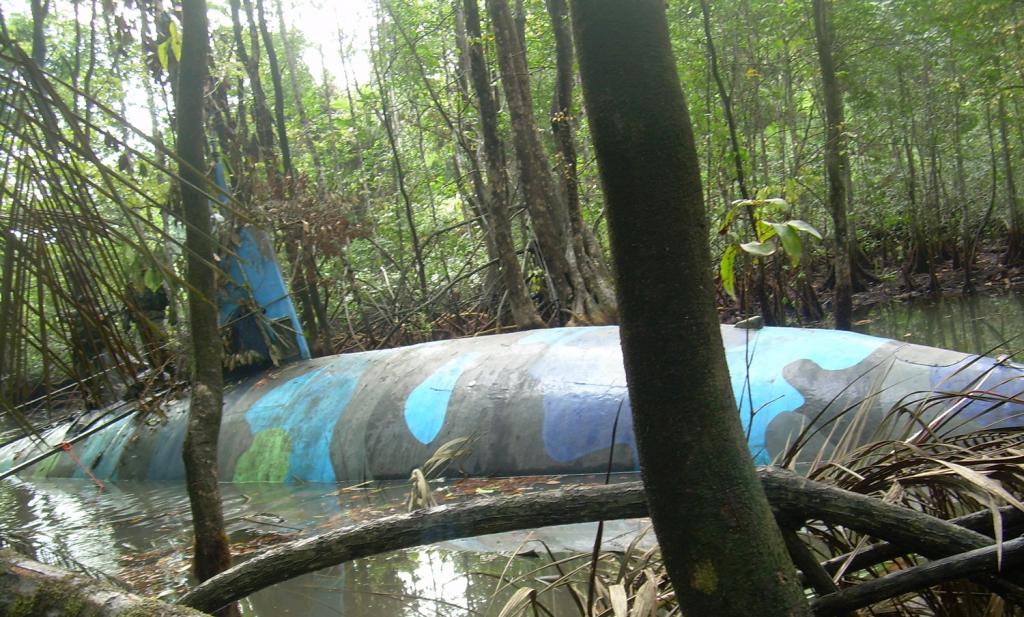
{"x":595,"y":291}
{"x":275,"y":79}
{"x":1015,"y":244}
{"x":836,"y":162}
{"x":39,"y":10}
{"x":987,"y":560}
{"x":212,"y":552}
{"x":538,"y":185}
{"x":28,"y":587}
{"x":496,"y":197}
{"x":691,"y":444}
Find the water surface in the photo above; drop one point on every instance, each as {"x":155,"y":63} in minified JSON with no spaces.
{"x":138,"y":535}
{"x":982,"y":324}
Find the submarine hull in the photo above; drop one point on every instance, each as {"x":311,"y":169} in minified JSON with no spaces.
{"x":540,"y":402}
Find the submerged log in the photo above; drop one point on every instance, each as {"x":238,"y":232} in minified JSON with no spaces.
{"x":792,"y":497}
{"x":28,"y":587}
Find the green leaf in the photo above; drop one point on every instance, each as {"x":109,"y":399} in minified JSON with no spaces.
{"x":804,"y":226}
{"x":727,"y":221}
{"x":791,"y":243}
{"x":175,"y":40}
{"x":161,"y":54}
{"x":760,"y":249}
{"x":726,"y":269}
{"x":152,"y":279}
{"x":765,"y":230}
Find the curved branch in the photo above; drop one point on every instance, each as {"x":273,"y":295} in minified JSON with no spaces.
{"x":445,"y":522}
{"x":1012,"y":520}
{"x":792,"y":498}
{"x":964,"y":565}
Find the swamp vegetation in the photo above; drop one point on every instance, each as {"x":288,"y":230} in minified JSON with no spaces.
{"x":428,"y":172}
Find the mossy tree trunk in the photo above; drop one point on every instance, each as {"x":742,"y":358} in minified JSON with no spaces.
{"x":725,"y":555}
{"x":212,"y":553}
{"x":28,"y":587}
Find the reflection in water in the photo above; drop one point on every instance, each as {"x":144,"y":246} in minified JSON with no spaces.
{"x":982,"y":324}
{"x":139,"y":535}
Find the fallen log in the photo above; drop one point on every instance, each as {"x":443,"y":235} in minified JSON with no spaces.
{"x":793,"y":498}
{"x":28,"y":587}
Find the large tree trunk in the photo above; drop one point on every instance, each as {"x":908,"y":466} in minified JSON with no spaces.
{"x":212,"y":552}
{"x":724,"y":554}
{"x":836,"y":162}
{"x":496,"y":190}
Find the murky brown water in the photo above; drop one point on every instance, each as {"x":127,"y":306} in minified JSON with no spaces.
{"x":988,"y":324}
{"x":138,"y":535}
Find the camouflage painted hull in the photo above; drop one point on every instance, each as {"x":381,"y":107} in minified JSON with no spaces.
{"x":541,"y":402}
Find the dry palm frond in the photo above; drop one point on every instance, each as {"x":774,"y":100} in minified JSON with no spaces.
{"x":420,"y":495}
{"x":451,"y":452}
{"x":944,"y":472}
{"x":87,"y":204}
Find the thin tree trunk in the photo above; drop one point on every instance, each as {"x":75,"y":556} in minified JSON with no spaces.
{"x":300,"y":108}
{"x":89,"y":72}
{"x":390,"y":128}
{"x":40,"y":8}
{"x":767,"y":308}
{"x":961,"y":190}
{"x":261,"y":113}
{"x":595,"y":293}
{"x":723,"y":94}
{"x":275,"y":78}
{"x":7,"y":297}
{"x":496,"y":198}
{"x":212,"y":552}
{"x":1015,"y":243}
{"x":311,"y":275}
{"x":306,"y":267}
{"x":541,"y":197}
{"x":689,"y":438}
{"x":836,"y":162}
{"x":993,"y":191}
